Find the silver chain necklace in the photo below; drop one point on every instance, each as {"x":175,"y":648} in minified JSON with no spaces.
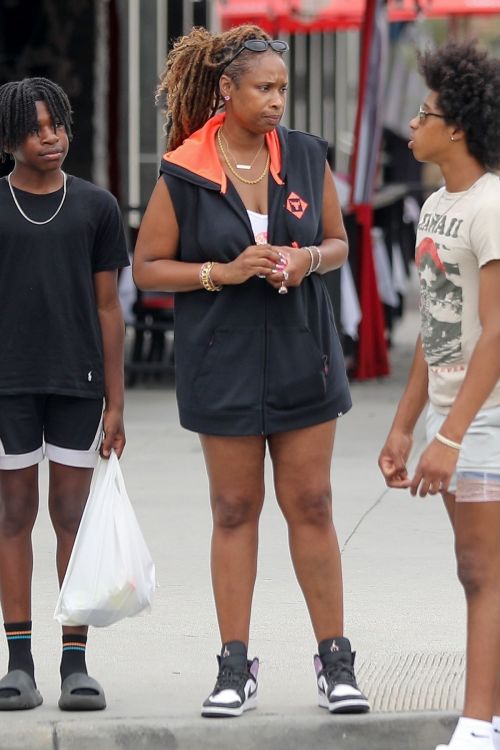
{"x":464,"y":194}
{"x":32,"y":221}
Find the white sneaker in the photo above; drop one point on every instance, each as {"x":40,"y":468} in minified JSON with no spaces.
{"x":338,"y":690}
{"x":470,"y":734}
{"x":235,"y":691}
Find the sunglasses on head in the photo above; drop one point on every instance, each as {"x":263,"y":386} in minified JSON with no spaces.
{"x":259,"y":45}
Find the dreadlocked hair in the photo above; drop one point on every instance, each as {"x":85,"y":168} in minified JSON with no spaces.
{"x":18,"y":116}
{"x":467,"y":82}
{"x":189,"y":84}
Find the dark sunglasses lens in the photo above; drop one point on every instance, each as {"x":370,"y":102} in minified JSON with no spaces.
{"x":278,"y":45}
{"x":260,"y":45}
{"x":256,"y":45}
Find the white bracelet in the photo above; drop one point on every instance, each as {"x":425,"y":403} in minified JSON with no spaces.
{"x":316,"y":267}
{"x":313,"y":266}
{"x":446,"y":441}
{"x":311,"y":263}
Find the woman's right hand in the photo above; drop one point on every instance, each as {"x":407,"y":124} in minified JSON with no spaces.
{"x":255,"y":260}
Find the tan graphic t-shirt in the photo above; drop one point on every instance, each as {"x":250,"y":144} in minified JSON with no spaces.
{"x":458,"y":233}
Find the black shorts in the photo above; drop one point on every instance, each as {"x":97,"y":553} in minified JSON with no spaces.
{"x":67,"y":429}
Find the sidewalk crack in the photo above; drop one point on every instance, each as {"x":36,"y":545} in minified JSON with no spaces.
{"x":365,"y":514}
{"x":416,"y":451}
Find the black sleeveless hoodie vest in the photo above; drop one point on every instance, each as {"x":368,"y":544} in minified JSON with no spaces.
{"x":250,"y":361}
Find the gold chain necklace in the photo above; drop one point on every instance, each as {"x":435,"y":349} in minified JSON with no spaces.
{"x":241,"y":166}
{"x":235,"y":173}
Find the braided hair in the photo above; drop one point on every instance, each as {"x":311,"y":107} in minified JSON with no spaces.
{"x":18,"y":116}
{"x":190,"y":80}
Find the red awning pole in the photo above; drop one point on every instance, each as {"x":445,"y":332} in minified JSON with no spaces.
{"x":372,"y":359}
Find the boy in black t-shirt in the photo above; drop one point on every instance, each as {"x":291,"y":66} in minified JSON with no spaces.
{"x":61,"y":339}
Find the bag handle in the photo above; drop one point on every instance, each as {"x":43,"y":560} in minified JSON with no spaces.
{"x":116,"y":474}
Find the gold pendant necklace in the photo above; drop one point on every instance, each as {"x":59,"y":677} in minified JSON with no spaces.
{"x":234,"y":172}
{"x":241,"y":166}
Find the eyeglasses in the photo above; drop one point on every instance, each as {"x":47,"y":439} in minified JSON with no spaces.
{"x":423,"y":115}
{"x":259,"y":45}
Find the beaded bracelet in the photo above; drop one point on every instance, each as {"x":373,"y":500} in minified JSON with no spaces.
{"x":206,"y":278}
{"x":446,"y":441}
{"x":313,"y":266}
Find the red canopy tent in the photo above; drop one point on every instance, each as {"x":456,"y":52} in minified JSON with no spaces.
{"x":405,"y":10}
{"x":292,"y":15}
{"x":334,"y":15}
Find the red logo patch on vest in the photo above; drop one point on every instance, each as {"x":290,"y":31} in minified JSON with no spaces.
{"x":296,"y":205}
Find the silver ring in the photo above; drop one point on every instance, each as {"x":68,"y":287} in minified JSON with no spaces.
{"x":285,"y":275}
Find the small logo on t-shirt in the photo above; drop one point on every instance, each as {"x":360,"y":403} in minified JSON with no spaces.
{"x":89,"y":375}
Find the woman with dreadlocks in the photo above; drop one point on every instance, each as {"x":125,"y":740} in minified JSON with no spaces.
{"x":242,"y":224}
{"x":62,"y":333}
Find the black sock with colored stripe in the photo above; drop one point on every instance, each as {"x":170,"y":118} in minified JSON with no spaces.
{"x":73,"y":655}
{"x":19,"y":642}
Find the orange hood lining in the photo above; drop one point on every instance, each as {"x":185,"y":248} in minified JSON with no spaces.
{"x":198,"y":154}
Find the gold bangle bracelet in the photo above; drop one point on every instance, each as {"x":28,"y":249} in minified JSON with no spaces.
{"x":206,"y":278}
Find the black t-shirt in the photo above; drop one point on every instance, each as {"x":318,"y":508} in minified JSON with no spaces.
{"x":50,"y":336}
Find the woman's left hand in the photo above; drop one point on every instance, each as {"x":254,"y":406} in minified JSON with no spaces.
{"x":291,"y":269}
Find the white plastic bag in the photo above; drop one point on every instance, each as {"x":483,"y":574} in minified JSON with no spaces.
{"x":110,"y":574}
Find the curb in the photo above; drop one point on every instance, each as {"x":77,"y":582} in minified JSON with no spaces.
{"x":401,"y":731}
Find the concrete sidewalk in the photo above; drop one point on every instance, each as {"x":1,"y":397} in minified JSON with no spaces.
{"x":405,"y":613}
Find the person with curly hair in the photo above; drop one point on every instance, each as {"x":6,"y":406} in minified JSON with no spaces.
{"x":456,"y":366}
{"x":242,"y":225}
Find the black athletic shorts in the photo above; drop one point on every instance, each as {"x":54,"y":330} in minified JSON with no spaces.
{"x":66,"y":429}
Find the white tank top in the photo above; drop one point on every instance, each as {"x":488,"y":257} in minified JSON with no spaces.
{"x":259,"y":224}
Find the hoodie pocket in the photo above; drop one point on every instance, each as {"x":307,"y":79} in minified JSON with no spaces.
{"x":230,"y":374}
{"x":298,"y":369}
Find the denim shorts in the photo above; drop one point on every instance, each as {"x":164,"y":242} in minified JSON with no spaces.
{"x":477,"y":476}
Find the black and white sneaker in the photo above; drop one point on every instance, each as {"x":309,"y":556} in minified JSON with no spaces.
{"x":236,"y":688}
{"x":337,"y":687}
